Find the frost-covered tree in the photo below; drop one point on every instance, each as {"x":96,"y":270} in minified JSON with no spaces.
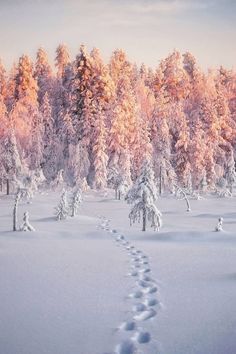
{"x":49,"y":139}
{"x":43,"y":75}
{"x":76,"y":201}
{"x":3,"y":81}
{"x":25,"y":114}
{"x":10,"y":158}
{"x":58,"y":181}
{"x":123,"y":116}
{"x":230,"y":173}
{"x":161,"y":140}
{"x":142,"y":196}
{"x":99,"y":154}
{"x":26,"y":226}
{"x":182,"y":195}
{"x":62,"y":210}
{"x":62,"y":59}
{"x":15,"y":210}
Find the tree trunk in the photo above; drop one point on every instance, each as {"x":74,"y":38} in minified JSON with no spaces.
{"x":116,"y":196}
{"x":0,"y":184}
{"x":15,"y":218}
{"x":144,"y":219}
{"x":119,"y":195}
{"x":8,"y":187}
{"x":160,"y":181}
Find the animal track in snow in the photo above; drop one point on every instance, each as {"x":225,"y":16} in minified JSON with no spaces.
{"x":145,"y":270}
{"x":126,"y":347}
{"x":136,"y":294}
{"x":128,"y":326}
{"x":151,"y":290}
{"x":142,"y":337}
{"x":139,"y":307}
{"x":145,"y":315}
{"x":143,"y":283}
{"x":151,"y":302}
{"x":133,"y":273}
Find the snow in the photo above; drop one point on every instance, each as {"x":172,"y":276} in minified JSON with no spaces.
{"x":94,"y":285}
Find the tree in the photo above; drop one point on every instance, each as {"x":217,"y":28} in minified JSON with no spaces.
{"x":77,"y":200}
{"x":3,"y":81}
{"x":10,"y":158}
{"x":51,"y":146}
{"x":62,"y":210}
{"x":161,"y":141}
{"x":142,"y":196}
{"x":230,"y":172}
{"x":123,"y":116}
{"x":25,"y":114}
{"x":15,"y":209}
{"x":62,"y":59}
{"x":181,"y":194}
{"x":43,"y":75}
{"x":99,"y":155}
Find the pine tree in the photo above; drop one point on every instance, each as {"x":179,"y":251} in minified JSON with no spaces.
{"x":181,"y":153}
{"x":143,"y":195}
{"x":43,"y":75}
{"x":62,"y":59}
{"x":123,"y":116}
{"x":99,"y":155}
{"x":10,"y":159}
{"x":161,"y":141}
{"x":3,"y":81}
{"x":230,"y":172}
{"x":15,"y":210}
{"x":77,"y":200}
{"x":62,"y":210}
{"x":25,"y":114}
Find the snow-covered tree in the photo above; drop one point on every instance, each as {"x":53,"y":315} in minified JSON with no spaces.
{"x":43,"y":75}
{"x":62,"y":210}
{"x":62,"y":59}
{"x":25,"y":115}
{"x":26,"y":226}
{"x":182,"y":195}
{"x":3,"y":81}
{"x":161,"y":140}
{"x":230,"y":172}
{"x":76,"y":201}
{"x":15,"y":210}
{"x":142,"y":196}
{"x":123,"y":116}
{"x":10,"y":158}
{"x":99,"y":154}
{"x":58,"y":181}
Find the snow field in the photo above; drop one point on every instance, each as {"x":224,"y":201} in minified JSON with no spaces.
{"x":93,"y":285}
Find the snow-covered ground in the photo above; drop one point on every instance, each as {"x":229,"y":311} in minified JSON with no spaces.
{"x":93,"y":285}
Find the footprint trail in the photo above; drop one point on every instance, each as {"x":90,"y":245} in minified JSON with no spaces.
{"x":135,"y":331}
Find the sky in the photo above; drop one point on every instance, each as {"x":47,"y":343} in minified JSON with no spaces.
{"x":148,"y":30}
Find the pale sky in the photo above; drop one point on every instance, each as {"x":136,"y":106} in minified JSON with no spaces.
{"x":148,"y":30}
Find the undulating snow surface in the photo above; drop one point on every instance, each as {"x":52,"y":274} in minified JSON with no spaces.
{"x":93,"y":285}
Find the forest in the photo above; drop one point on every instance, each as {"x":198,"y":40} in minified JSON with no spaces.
{"x":94,"y":123}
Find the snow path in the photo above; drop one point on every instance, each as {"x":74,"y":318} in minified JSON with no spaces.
{"x":144,"y":299}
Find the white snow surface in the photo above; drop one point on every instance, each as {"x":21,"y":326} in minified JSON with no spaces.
{"x":94,"y":285}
